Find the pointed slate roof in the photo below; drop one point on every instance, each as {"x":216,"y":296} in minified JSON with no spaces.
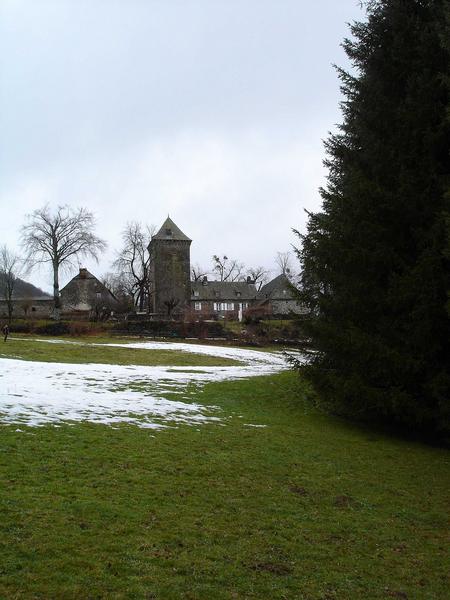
{"x":278,"y":288}
{"x":170,"y":231}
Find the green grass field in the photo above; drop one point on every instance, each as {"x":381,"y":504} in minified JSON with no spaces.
{"x":307,"y":507}
{"x":28,"y":348}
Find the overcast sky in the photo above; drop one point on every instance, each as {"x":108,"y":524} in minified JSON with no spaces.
{"x":212,"y":111}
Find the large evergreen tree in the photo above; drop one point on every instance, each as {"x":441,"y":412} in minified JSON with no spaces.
{"x":376,"y":259}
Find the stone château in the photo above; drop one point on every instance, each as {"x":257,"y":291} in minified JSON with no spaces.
{"x":172,"y":293}
{"x":175,"y":294}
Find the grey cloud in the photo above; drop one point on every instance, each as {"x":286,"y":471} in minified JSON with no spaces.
{"x":209,"y":109}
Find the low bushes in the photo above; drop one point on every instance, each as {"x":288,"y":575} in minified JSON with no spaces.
{"x":256,"y":334}
{"x":73,"y":328}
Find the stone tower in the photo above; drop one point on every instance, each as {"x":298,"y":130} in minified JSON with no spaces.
{"x":171,"y":270}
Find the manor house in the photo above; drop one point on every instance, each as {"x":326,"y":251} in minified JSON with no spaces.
{"x":173,"y":294}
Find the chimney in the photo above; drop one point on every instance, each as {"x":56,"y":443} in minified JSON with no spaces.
{"x":205,"y":280}
{"x":83,"y":273}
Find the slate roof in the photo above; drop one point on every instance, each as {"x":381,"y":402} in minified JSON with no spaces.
{"x":233,"y":291}
{"x":170,"y":231}
{"x":277,"y":289}
{"x":85,"y":275}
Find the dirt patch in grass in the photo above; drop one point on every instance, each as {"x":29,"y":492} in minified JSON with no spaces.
{"x":345,"y":502}
{"x":274,"y":568}
{"x":300,"y":491}
{"x":396,"y":594}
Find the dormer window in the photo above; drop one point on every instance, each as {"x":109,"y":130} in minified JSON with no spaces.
{"x":238,"y":294}
{"x":196,"y":293}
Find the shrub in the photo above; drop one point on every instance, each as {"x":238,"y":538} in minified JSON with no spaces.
{"x":79,"y":328}
{"x":53,"y":328}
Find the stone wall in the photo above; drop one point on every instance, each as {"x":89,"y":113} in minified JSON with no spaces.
{"x":28,"y":308}
{"x":287,"y":307}
{"x":171,"y":276}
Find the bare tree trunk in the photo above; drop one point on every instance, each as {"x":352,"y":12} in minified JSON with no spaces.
{"x":141,"y":298}
{"x":56,"y":285}
{"x":56,"y":299}
{"x":9,"y":289}
{"x":10,"y":310}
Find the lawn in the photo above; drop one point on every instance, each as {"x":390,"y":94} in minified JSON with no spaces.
{"x":303,"y":506}
{"x":78,"y":352}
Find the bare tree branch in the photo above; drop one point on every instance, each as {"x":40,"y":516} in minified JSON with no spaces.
{"x":121,"y":285}
{"x":198,"y":272}
{"x":284,"y":262}
{"x":259,"y":276}
{"x":227,"y":269}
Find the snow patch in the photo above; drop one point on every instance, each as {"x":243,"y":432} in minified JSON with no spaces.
{"x":37,"y":393}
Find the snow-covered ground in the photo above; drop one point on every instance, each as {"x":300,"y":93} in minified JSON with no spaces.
{"x":35,"y":393}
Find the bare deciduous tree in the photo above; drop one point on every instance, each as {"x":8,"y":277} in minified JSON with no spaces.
{"x":259,"y":276}
{"x":10,"y":267}
{"x":284,"y":262}
{"x":134,"y":262}
{"x":59,"y":237}
{"x":198,"y":272}
{"x":121,"y":286}
{"x":227,"y":269}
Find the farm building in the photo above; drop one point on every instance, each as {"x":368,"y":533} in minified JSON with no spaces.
{"x":86,"y":297}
